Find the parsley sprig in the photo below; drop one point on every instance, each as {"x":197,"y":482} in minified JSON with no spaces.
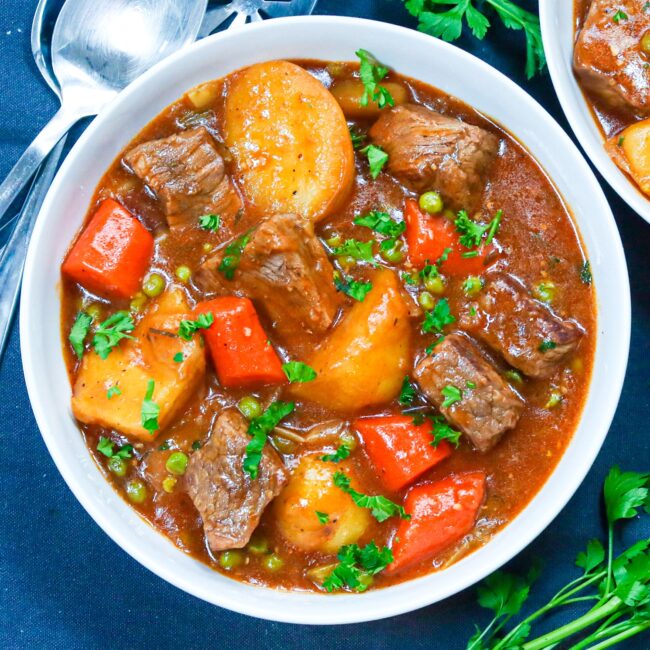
{"x":474,"y":234}
{"x":377,"y":158}
{"x":358,"y":250}
{"x":232,"y":255}
{"x":79,"y":332}
{"x":342,"y":452}
{"x":351,"y":287}
{"x":298,"y":372}
{"x":371,"y":72}
{"x":109,"y":333}
{"x":356,"y":565}
{"x":444,"y":19}
{"x":438,"y":318}
{"x":382,"y":223}
{"x":150,"y":410}
{"x":107,"y":447}
{"x":188,"y":328}
{"x":616,"y":588}
{"x":381,"y":507}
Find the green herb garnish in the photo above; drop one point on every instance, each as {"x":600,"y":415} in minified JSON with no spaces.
{"x":356,"y":565}
{"x":452,"y":394}
{"x":545,"y":346}
{"x":113,"y":391}
{"x":443,"y":431}
{"x":357,"y":137}
{"x":439,"y":317}
{"x":358,"y":250}
{"x":107,"y":447}
{"x":298,"y":372}
{"x":371,"y":72}
{"x":188,"y":328}
{"x":150,"y":410}
{"x":112,"y":331}
{"x":210,"y":222}
{"x":407,"y":393}
{"x":323,"y":517}
{"x":585,"y":272}
{"x":342,"y":452}
{"x":178,"y":357}
{"x":350,"y":287}
{"x":233,"y":253}
{"x":79,"y":332}
{"x":377,"y":158}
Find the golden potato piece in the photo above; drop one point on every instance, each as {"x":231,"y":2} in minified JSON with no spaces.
{"x":310,"y":489}
{"x":289,"y":139}
{"x":364,"y":360}
{"x":348,"y":93}
{"x":132,"y":364}
{"x":630,"y":150}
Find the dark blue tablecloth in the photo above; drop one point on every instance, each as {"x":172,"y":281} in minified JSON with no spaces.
{"x":65,"y":584}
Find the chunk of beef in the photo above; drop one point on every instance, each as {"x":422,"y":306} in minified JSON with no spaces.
{"x":285,"y":268}
{"x":187,"y":173}
{"x":608,"y":58}
{"x":488,"y":406}
{"x":525,"y":331}
{"x":430,"y":151}
{"x":228,"y":500}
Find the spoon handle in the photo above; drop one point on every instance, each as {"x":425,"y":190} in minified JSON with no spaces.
{"x":34,"y":155}
{"x":12,"y":259}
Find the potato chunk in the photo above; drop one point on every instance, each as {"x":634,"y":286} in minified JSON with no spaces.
{"x":630,"y":150}
{"x":364,"y":360}
{"x":289,"y":139}
{"x":310,"y":489}
{"x":132,"y":364}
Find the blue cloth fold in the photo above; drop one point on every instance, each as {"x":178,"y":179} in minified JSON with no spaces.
{"x":64,"y":584}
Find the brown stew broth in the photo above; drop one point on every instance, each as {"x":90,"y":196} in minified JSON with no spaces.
{"x":538,"y":241}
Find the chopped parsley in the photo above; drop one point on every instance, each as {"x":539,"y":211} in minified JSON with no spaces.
{"x":547,"y":345}
{"x":381,"y":508}
{"x":188,"y":328}
{"x":150,"y":410}
{"x":619,"y":15}
{"x":620,"y":141}
{"x":350,"y":287}
{"x":113,"y":391}
{"x":323,"y":517}
{"x":407,"y":394}
{"x":358,"y":250}
{"x":585,"y":272}
{"x":112,"y":331}
{"x":210,"y":222}
{"x":342,"y":452}
{"x":408,"y":279}
{"x":440,"y":316}
{"x":382,"y":223}
{"x":356,"y":565}
{"x":472,"y":232}
{"x":357,"y":138}
{"x":106,"y":447}
{"x":233,"y":253}
{"x":260,"y":428}
{"x":298,"y":372}
{"x":196,"y":445}
{"x":452,"y":394}
{"x":438,"y":341}
{"x":178,"y":357}
{"x":79,"y":332}
{"x":377,"y":158}
{"x":371,"y":73}
{"x":443,"y":431}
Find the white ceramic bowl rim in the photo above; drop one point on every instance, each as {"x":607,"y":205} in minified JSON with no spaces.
{"x":413,"y":54}
{"x":557,"y":22}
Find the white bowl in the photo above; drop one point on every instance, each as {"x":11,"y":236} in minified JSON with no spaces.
{"x":413,"y":54}
{"x":558,"y":29}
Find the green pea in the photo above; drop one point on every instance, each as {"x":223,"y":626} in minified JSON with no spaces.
{"x":431,"y":202}
{"x":231,"y":559}
{"x":117,"y":465}
{"x":250,"y":407}
{"x":346,"y":261}
{"x":334,"y":241}
{"x":393,"y":255}
{"x":427,"y":301}
{"x":138,"y":301}
{"x":183,"y":273}
{"x":349,"y":440}
{"x":434,"y":284}
{"x":472,"y":286}
{"x":554,"y":400}
{"x":95,"y":310}
{"x":177,"y":463}
{"x":545,"y":291}
{"x":645,"y":43}
{"x":136,"y":491}
{"x":169,"y":483}
{"x":258,"y":545}
{"x":273,"y":562}
{"x":153,"y":285}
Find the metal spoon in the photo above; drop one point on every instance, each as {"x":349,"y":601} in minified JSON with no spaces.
{"x":98,"y":48}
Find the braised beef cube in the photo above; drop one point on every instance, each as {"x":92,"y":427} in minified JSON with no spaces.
{"x":285,"y":269}
{"x":228,"y":500}
{"x":608,"y":58}
{"x":487,"y":406}
{"x":430,"y":151}
{"x":525,"y":331}
{"x":187,"y":173}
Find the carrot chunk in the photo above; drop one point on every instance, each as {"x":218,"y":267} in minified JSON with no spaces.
{"x":441,"y":514}
{"x":400,"y":450}
{"x":240,"y":349}
{"x":429,"y":236}
{"x":112,"y":254}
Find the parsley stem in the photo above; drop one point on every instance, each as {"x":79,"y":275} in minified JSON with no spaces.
{"x":621,"y":636}
{"x":610,"y":550}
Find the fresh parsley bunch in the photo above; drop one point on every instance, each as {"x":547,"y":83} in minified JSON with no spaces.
{"x":446,"y":18}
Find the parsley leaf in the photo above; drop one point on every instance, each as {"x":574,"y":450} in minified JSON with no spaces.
{"x":113,"y":391}
{"x":371,"y":72}
{"x":178,"y":357}
{"x":357,"y":137}
{"x":547,"y":345}
{"x":298,"y":372}
{"x":188,"y":328}
{"x":359,"y":250}
{"x":452,"y":394}
{"x":150,"y":410}
{"x":619,"y":15}
{"x":323,"y":517}
{"x":79,"y":332}
{"x":112,"y":331}
{"x":377,"y":158}
{"x":407,"y":394}
{"x":443,"y":431}
{"x":380,"y":506}
{"x":233,"y":253}
{"x":106,"y":447}
{"x":350,"y":287}
{"x":260,"y":428}
{"x":625,"y":493}
{"x":593,"y":557}
{"x":585,"y":272}
{"x":503,"y":593}
{"x":382,"y":223}
{"x":439,"y":317}
{"x":342,"y":452}
{"x":472,"y":232}
{"x":355,"y":564}
{"x":210,"y":222}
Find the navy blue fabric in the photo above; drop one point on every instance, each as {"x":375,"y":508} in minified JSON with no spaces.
{"x":65,"y":584}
